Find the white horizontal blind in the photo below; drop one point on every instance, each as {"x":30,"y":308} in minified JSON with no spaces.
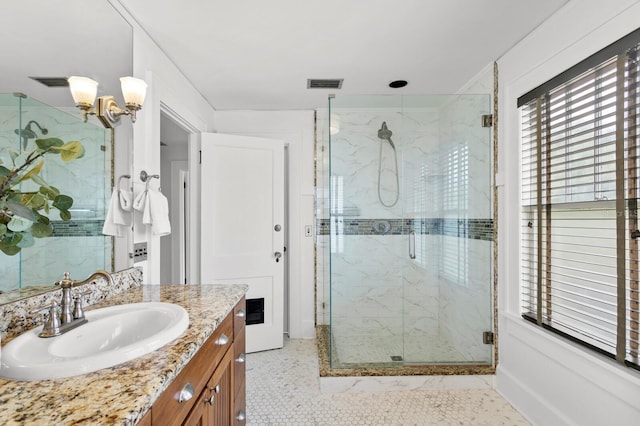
{"x":578,"y":183}
{"x":530,"y":133}
{"x":632,"y":185}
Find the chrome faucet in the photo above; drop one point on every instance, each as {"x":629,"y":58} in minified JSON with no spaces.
{"x":96,"y":274}
{"x":70,"y":313}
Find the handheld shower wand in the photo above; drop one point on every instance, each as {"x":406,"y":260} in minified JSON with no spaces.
{"x":384,"y":134}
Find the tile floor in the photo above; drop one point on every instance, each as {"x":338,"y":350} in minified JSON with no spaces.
{"x":283,"y":389}
{"x":362,"y":350}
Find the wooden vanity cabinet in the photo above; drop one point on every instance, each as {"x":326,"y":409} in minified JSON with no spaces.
{"x":214,"y":405}
{"x":238,"y":368}
{"x":217,"y":378}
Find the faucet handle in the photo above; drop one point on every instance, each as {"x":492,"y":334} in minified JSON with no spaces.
{"x":52,"y":326}
{"x":65,"y":282}
{"x":53,"y":306}
{"x":78,"y":310}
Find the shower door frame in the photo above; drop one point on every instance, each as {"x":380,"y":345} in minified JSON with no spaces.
{"x":425,"y":228}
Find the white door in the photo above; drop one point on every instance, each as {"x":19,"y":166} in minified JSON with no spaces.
{"x":242,"y":213}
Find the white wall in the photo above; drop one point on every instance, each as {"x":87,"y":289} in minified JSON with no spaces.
{"x":550,"y":380}
{"x":169,"y":91}
{"x":296,"y":128}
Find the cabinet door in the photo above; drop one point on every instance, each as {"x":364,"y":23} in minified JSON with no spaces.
{"x":219,"y":402}
{"x":200,"y":414}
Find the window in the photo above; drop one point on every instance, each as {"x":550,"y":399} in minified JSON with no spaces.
{"x":580,"y":233}
{"x":455,"y":250}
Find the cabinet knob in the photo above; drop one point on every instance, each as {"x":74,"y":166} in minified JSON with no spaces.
{"x":186,"y":393}
{"x":240,"y":359}
{"x":222,"y":340}
{"x":241,"y":416}
{"x":241,"y":313}
{"x":210,"y":400}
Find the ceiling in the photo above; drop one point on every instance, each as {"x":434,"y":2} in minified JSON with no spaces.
{"x":256,"y":54}
{"x":60,"y":38}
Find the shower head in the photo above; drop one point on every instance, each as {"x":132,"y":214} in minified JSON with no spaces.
{"x":43,"y":130}
{"x":27,"y":133}
{"x":385,"y":133}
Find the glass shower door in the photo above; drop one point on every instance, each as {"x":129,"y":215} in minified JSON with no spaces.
{"x":410,"y":280}
{"x":447,"y":206}
{"x":365,"y":236}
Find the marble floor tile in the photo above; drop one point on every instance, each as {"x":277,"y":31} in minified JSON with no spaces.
{"x":283,"y":389}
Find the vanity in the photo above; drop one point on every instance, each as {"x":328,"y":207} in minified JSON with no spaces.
{"x":198,"y":378}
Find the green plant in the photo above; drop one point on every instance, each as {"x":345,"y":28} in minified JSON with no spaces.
{"x":20,"y":217}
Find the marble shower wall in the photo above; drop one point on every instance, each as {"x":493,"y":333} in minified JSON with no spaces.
{"x":78,"y":245}
{"x":377,"y":290}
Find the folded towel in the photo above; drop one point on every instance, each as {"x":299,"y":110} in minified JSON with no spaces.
{"x":159,"y":210}
{"x":154,"y":207}
{"x":122,"y":214}
{"x":111,"y":226}
{"x":140,"y":204}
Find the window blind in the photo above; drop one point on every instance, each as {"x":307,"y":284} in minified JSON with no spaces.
{"x":579,"y":229}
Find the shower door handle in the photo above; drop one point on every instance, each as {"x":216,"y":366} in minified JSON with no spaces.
{"x":412,"y":245}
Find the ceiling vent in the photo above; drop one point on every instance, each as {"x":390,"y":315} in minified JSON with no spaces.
{"x":324,"y":83}
{"x":52,"y":81}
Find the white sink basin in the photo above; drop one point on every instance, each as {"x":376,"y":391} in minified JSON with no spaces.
{"x":113,"y":335}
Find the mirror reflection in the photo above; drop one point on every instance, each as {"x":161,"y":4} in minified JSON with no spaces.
{"x":44,"y":57}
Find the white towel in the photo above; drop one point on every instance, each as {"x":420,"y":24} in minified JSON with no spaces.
{"x":159,"y":207}
{"x":122,"y":214}
{"x":111,"y":225}
{"x":140,"y":204}
{"x":155,"y":211}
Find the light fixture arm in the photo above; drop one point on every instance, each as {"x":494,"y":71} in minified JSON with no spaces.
{"x":109,"y":112}
{"x":107,"y":109}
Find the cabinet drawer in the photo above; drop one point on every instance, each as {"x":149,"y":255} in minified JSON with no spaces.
{"x":167,"y":410}
{"x":239,"y":357}
{"x":239,"y":315}
{"x":239,"y":407}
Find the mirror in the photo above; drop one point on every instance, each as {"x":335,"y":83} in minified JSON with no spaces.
{"x":57,"y":39}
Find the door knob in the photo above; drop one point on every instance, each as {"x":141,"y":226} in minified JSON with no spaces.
{"x":278,"y":255}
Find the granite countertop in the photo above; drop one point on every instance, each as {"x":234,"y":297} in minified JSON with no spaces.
{"x":122,"y":395}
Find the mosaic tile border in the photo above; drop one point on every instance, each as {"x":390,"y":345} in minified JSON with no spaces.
{"x":475,"y":229}
{"x":77,"y":228}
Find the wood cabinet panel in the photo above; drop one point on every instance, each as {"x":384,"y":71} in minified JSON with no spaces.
{"x":220,"y":392}
{"x":146,"y":420}
{"x":239,"y":406}
{"x":239,"y":358}
{"x":199,"y":415}
{"x":167,"y":409}
{"x":239,"y":315}
{"x":217,"y":374}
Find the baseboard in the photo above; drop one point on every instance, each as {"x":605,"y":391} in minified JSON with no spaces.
{"x":530,"y":404}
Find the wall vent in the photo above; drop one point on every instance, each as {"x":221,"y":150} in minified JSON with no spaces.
{"x":324,"y":83}
{"x":52,"y":81}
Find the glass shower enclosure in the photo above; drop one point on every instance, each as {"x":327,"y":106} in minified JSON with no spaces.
{"x":77,"y":245}
{"x":409,"y":230}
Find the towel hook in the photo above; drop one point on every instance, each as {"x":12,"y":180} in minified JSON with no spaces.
{"x":122,"y":177}
{"x":146,"y":177}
